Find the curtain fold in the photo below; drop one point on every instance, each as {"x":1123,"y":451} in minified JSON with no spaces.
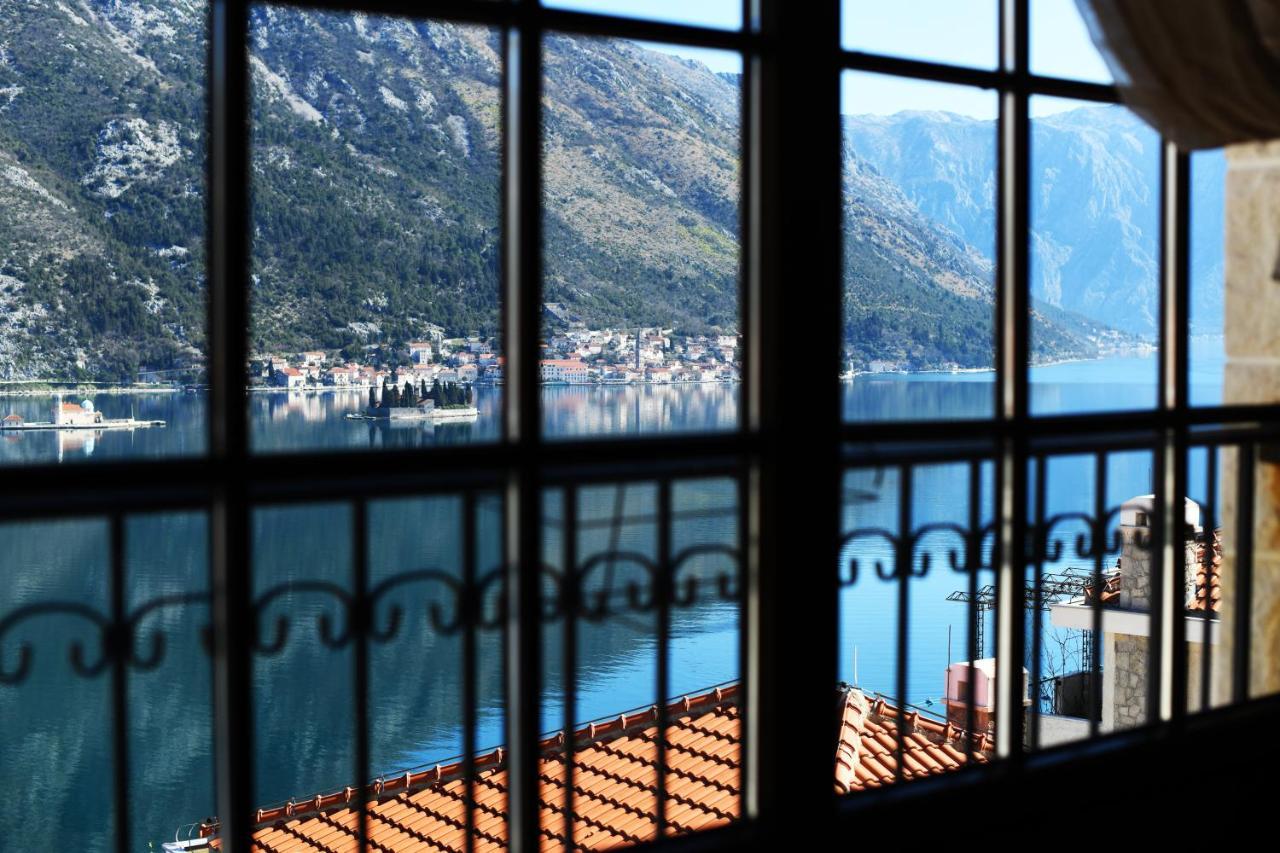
{"x":1205,"y":73}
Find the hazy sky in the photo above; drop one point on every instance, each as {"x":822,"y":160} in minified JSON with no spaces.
{"x":961,"y":32}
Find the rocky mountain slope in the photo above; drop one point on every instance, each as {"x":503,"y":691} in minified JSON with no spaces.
{"x":376,"y":195}
{"x":1095,"y":204}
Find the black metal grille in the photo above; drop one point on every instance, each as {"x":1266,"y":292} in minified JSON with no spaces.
{"x":787,"y":474}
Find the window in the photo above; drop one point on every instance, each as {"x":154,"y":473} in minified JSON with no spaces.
{"x":554,"y":628}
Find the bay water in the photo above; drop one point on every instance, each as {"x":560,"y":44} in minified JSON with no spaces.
{"x":56,"y":723}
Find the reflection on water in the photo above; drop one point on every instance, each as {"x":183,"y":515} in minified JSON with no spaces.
{"x":610,"y":410}
{"x":282,"y":421}
{"x":56,"y":727}
{"x":303,"y":692}
{"x":185,"y":433}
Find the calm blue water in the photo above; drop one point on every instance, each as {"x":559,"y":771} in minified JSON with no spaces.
{"x":56,"y":727}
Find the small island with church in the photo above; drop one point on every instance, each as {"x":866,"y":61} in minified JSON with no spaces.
{"x":68,"y":416}
{"x":443,"y":401}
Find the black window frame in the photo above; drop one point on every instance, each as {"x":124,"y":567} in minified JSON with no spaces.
{"x":791,"y":231}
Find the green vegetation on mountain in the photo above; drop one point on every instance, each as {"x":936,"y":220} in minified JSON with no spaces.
{"x":375,"y":195}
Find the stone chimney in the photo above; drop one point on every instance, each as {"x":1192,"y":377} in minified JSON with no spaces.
{"x":1125,"y":656}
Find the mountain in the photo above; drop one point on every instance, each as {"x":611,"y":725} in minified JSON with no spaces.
{"x":375,"y":197}
{"x":1094,"y":212}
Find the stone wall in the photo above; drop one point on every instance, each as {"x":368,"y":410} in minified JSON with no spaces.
{"x":1126,"y":657}
{"x":1129,"y":697}
{"x":1252,"y":330}
{"x":1135,"y":571}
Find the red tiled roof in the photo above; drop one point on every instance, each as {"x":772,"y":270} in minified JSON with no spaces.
{"x":614,"y":780}
{"x":867,"y":744}
{"x":1208,"y":592}
{"x":1110,"y":589}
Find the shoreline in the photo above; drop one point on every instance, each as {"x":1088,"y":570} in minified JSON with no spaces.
{"x":851,"y":375}
{"x":332,"y":389}
{"x":83,"y":391}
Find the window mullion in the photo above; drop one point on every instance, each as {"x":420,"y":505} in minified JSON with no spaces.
{"x":1168,"y":673}
{"x":228,"y":266}
{"x":522,"y":269}
{"x":1012,"y":352}
{"x":792,"y":598}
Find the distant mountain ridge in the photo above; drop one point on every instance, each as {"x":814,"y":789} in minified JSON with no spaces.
{"x":375,"y":199}
{"x":1095,"y":204}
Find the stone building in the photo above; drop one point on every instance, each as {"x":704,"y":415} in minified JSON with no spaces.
{"x":1126,"y":602}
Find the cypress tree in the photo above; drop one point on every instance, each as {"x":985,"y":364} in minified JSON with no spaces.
{"x":409,"y":396}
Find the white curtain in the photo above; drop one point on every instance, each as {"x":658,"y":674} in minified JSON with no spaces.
{"x":1205,"y":73}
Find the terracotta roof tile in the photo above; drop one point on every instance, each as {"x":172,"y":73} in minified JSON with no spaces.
{"x":867,"y":744}
{"x":614,"y":782}
{"x":1208,"y":592}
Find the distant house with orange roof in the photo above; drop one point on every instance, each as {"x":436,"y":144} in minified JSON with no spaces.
{"x":289,"y":377}
{"x":614,"y":773}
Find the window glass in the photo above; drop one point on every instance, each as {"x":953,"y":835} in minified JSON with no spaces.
{"x":376,"y":174}
{"x":102,"y":228}
{"x":641,"y":179}
{"x":919,"y":249}
{"x":959,"y":32}
{"x":1061,"y":45}
{"x":1075,"y":575}
{"x":910,"y":583}
{"x":303,"y":668}
{"x":1206,"y":356}
{"x":721,"y":14}
{"x":613,"y":639}
{"x":1095,"y":271}
{"x":56,"y":680}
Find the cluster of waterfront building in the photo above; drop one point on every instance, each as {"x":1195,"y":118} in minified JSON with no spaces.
{"x":574,"y":356}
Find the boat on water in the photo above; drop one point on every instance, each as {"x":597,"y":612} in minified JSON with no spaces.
{"x":71,"y":416}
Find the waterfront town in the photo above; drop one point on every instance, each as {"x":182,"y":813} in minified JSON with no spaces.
{"x":572,"y":354}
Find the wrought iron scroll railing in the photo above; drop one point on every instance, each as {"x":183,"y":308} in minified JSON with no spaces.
{"x":896,"y":538}
{"x":660,"y":560}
